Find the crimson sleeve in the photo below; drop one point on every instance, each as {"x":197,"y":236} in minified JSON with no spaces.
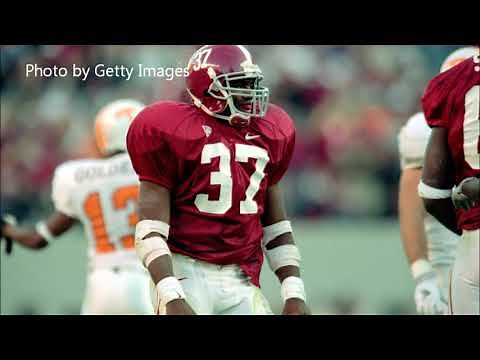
{"x":434,"y":102}
{"x":286,"y":154}
{"x":149,"y":149}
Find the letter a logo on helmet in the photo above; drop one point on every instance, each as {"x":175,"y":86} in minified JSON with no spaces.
{"x":224,"y":82}
{"x":112,"y":123}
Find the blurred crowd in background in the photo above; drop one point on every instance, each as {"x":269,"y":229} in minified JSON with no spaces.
{"x":348,"y":103}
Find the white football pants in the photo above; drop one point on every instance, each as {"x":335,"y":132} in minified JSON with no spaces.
{"x":118,"y":291}
{"x":216,"y":290}
{"x":464,"y":287}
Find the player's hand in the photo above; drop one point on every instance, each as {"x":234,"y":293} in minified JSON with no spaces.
{"x":7,"y":220}
{"x":428,"y":296}
{"x":460,"y":197}
{"x":295,"y":306}
{"x":179,"y":307}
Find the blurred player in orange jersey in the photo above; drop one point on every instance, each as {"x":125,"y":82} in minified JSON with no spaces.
{"x":102,"y":194}
{"x":451,"y":104}
{"x":429,"y":246}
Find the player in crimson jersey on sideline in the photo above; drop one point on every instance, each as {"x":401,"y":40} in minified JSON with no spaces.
{"x":451,"y":105}
{"x":210,"y":204}
{"x":429,"y":246}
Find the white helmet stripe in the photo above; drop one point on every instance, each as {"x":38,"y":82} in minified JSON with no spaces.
{"x":245,"y":52}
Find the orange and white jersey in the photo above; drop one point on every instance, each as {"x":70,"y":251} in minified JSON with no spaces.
{"x":102,"y":194}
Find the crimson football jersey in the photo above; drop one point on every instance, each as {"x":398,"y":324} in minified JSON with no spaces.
{"x":452,"y":100}
{"x":217,"y":175}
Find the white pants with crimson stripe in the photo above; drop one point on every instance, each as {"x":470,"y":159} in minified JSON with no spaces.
{"x":216,"y":290}
{"x":464,"y":286}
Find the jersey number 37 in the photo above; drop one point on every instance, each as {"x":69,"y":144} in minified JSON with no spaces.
{"x":223,"y":177}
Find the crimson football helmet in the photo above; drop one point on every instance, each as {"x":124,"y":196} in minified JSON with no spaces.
{"x":223,"y":77}
{"x":458,"y":56}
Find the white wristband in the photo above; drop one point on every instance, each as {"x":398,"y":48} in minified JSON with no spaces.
{"x":293,"y":287}
{"x":428,"y":192}
{"x":169,"y":289}
{"x":42,"y":229}
{"x":420,"y":268}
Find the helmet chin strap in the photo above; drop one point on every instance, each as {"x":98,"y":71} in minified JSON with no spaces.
{"x":198,"y":103}
{"x":238,"y":121}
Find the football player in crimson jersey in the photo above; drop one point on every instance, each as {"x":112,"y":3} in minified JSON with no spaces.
{"x":210,"y":203}
{"x":101,"y":194}
{"x":451,"y":104}
{"x":429,"y":246}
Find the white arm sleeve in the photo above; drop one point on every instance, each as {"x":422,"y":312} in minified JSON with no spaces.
{"x":63,"y":187}
{"x":412,"y":142}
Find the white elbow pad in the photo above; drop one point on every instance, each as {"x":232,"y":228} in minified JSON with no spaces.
{"x":153,"y":247}
{"x":275,"y":230}
{"x":146,"y":227}
{"x":428,"y":192}
{"x":283,"y":255}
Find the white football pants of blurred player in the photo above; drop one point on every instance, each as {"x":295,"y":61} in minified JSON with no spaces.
{"x":216,"y":290}
{"x":465,"y":290}
{"x":118,"y":291}
{"x":443,"y":273}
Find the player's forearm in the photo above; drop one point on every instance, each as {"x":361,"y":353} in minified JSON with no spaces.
{"x":284,"y":259}
{"x":26,"y":237}
{"x":289,"y":270}
{"x":151,"y":238}
{"x":152,"y":249}
{"x":412,"y":216}
{"x":160,"y":267}
{"x":435,"y":187}
{"x":412,"y":233}
{"x":444,"y":211}
{"x":280,"y":250}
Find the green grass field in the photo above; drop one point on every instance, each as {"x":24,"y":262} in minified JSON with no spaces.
{"x":361,"y":261}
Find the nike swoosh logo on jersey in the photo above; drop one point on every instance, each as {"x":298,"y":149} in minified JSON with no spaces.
{"x":250,"y":137}
{"x":182,"y":279}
